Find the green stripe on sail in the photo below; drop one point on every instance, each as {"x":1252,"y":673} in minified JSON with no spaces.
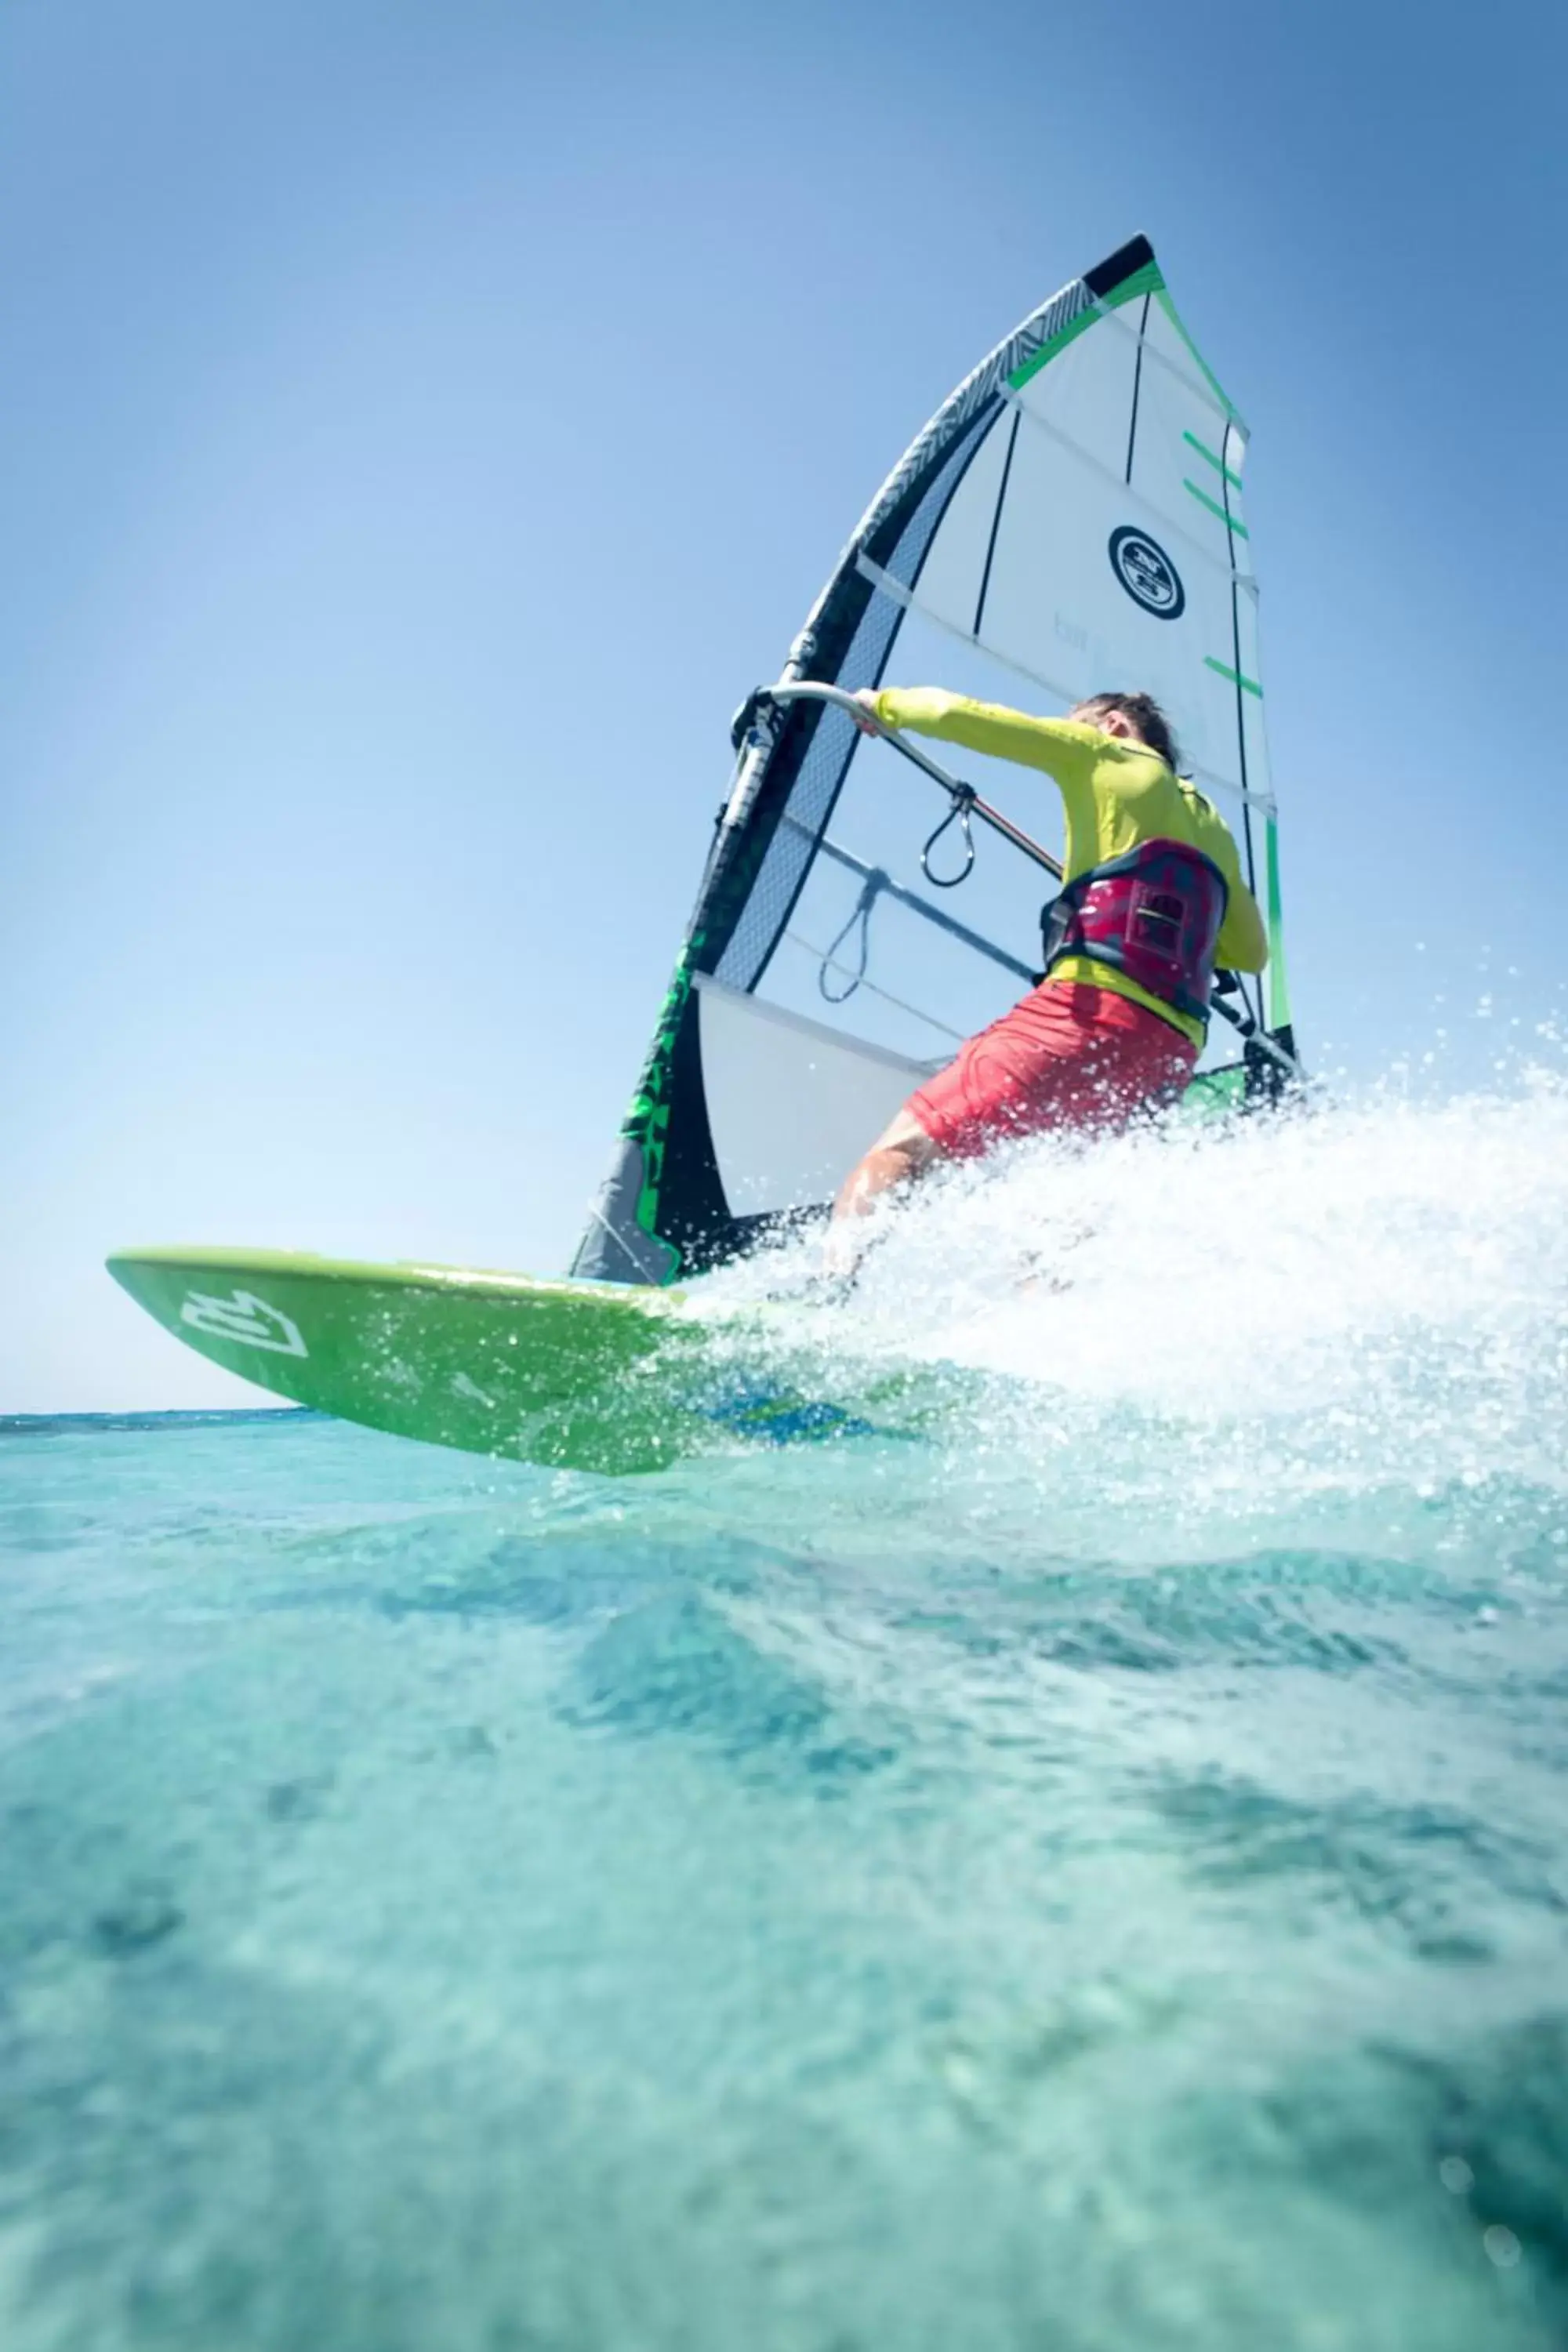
{"x":647,"y":1123}
{"x":1209,"y":377}
{"x":1214,"y":507}
{"x":1217,"y":463}
{"x":1146,"y":280}
{"x":1279,"y":993}
{"x":1233,"y":676}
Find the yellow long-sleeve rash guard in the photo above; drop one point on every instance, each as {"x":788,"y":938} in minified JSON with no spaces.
{"x":1116,"y":794}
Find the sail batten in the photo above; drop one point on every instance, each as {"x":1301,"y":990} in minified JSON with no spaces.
{"x":1121,"y":483}
{"x":1190,"y":384}
{"x":1062,"y":693}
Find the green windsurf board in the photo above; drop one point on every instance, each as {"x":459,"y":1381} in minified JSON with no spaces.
{"x":571,"y":1374}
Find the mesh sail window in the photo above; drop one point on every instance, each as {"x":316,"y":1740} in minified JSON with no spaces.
{"x":1070,"y":520}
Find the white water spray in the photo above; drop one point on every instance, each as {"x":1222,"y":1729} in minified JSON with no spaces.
{"x":1386,"y":1284}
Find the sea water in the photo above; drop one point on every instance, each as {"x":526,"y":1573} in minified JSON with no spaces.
{"x":1085,"y":1870}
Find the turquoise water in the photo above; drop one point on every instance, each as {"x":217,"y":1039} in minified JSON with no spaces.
{"x":1094,"y":1877}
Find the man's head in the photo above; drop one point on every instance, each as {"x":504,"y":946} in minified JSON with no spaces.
{"x":1135,"y":718}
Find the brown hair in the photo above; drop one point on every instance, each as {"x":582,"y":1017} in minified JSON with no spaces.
{"x":1143,"y":712}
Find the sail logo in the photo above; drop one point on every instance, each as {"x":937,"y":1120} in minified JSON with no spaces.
{"x":1147,"y":574}
{"x":244,"y":1320}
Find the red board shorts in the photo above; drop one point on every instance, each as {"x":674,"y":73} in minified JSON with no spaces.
{"x":1070,"y":1056}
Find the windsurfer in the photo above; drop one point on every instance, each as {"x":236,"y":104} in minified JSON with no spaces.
{"x":1153,"y":901}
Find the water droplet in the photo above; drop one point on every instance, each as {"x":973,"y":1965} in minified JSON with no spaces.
{"x":1456,"y":2175}
{"x":1502,"y":2247}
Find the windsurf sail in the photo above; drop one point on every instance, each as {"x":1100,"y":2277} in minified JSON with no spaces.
{"x":1070,"y":520}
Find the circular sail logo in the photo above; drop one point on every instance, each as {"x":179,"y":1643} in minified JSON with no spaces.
{"x":1147,"y":574}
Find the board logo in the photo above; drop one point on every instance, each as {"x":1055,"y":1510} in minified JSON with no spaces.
{"x":1147,"y":574}
{"x":245,"y":1320}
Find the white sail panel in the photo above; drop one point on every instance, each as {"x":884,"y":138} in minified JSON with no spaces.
{"x":790,"y":1101}
{"x":1097,"y":539}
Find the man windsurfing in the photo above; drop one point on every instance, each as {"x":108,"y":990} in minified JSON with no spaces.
{"x":1152,"y":903}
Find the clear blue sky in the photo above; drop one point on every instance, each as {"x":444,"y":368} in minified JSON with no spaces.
{"x":424,"y":419}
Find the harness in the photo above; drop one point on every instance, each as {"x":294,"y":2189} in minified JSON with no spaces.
{"x":1153,"y":913}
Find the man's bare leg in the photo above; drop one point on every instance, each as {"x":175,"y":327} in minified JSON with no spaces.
{"x":899,"y":1155}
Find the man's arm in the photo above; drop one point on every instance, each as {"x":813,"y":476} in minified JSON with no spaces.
{"x":1243,"y":942}
{"x":1063,"y":748}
